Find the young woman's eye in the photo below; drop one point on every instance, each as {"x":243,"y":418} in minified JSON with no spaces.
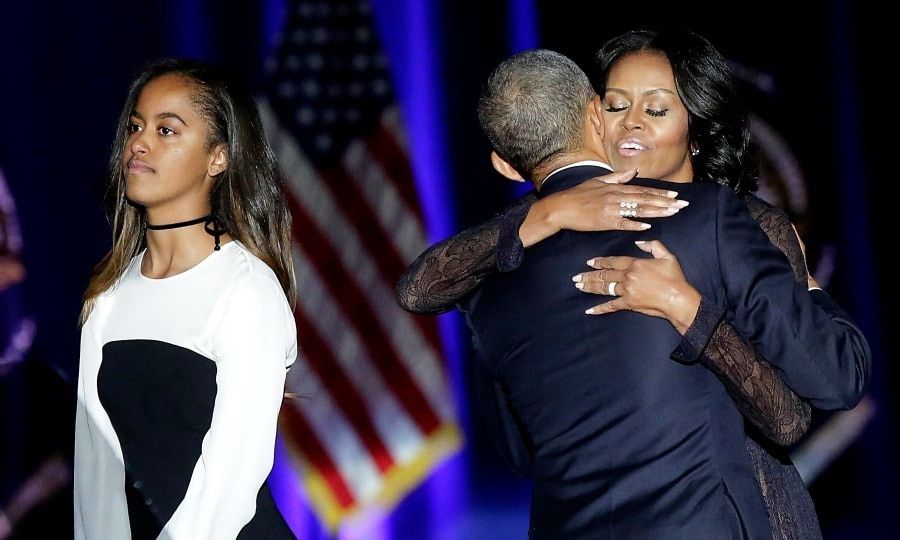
{"x":616,"y":107}
{"x":164,"y":131}
{"x":656,"y":112}
{"x":131,"y":127}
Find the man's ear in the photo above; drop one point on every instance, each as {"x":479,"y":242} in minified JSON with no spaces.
{"x":503,"y":167}
{"x":218,"y":160}
{"x":595,"y":116}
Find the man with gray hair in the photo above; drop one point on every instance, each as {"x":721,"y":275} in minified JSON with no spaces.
{"x":622,"y":441}
{"x":536,"y":110}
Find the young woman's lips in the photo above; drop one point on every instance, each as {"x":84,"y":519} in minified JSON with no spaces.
{"x":138,"y":167}
{"x":630,"y":147}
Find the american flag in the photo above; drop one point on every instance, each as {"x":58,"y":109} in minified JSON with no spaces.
{"x":376,"y":413}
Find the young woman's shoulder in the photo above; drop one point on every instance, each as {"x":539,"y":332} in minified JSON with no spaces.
{"x":253,"y":280}
{"x":255,"y":305}
{"x":244,"y":266}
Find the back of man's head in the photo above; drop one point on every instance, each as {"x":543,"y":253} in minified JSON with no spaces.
{"x":533,"y":108}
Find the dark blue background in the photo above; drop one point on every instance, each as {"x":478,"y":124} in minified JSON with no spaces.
{"x":64,"y":68}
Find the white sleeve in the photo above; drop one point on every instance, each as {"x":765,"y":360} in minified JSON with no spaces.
{"x":99,"y":475}
{"x":253,"y":345}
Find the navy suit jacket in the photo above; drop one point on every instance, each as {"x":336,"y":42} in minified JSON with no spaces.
{"x":623,"y":441}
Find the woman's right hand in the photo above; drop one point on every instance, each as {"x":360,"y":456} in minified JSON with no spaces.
{"x":597,"y":205}
{"x":655,"y":287}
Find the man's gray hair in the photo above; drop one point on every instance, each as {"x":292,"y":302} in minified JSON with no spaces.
{"x":532,"y":108}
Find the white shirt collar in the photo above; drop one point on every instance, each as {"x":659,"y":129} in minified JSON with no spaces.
{"x":577,"y":164}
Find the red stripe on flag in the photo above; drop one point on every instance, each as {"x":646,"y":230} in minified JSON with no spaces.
{"x":346,"y":193}
{"x":343,"y":393}
{"x":303,"y":437}
{"x":394,"y":162}
{"x":349,"y":297}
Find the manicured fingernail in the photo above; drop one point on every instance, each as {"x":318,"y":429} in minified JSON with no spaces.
{"x":590,"y":262}
{"x":645,"y":226}
{"x":640,"y":242}
{"x":579,"y":286}
{"x":589,"y":311}
{"x":680,"y":203}
{"x":672,"y":194}
{"x":577,"y":278}
{"x":672,"y":210}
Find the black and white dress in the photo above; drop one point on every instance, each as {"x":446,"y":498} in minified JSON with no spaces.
{"x":180,"y":384}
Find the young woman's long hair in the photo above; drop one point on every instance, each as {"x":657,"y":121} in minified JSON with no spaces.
{"x":247,"y":198}
{"x":718,"y":128}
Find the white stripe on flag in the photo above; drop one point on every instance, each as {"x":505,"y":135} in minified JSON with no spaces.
{"x":393,"y":122}
{"x":413,"y":349}
{"x":345,"y":449}
{"x":398,"y":221}
{"x":392,"y":423}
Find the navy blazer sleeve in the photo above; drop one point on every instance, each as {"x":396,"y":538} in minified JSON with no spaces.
{"x":819,"y":352}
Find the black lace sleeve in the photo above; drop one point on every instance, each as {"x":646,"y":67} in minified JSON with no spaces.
{"x":448,"y":271}
{"x":754,"y":385}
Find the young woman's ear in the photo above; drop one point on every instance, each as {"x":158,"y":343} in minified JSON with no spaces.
{"x":218,"y":161}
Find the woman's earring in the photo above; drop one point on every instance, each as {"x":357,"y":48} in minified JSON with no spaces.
{"x":694,"y":150}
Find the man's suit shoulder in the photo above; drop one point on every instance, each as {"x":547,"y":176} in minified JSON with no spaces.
{"x":692,"y":189}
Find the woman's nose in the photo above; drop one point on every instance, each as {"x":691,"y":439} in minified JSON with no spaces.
{"x":138,"y":143}
{"x":633,"y":118}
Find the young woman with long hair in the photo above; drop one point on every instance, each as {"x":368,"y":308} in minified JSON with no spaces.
{"x":187,"y":328}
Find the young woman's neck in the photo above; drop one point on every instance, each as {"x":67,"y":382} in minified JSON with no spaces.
{"x":172,"y":251}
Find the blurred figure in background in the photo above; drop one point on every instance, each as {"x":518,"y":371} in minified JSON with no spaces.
{"x":35,"y":408}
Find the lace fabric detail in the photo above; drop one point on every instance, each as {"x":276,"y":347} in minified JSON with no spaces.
{"x":792,"y":515}
{"x":448,"y":271}
{"x":755,"y":387}
{"x":702,"y":329}
{"x":778,"y":228}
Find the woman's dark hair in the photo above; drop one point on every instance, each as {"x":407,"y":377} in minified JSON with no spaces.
{"x":718,"y":128}
{"x":247,"y":197}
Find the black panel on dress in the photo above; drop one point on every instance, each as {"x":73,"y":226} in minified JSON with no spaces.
{"x":160,"y":399}
{"x":268,"y":523}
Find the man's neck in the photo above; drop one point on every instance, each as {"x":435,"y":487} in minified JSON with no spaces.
{"x":543,"y":172}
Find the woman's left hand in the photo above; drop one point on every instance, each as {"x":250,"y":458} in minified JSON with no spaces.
{"x":655,"y":287}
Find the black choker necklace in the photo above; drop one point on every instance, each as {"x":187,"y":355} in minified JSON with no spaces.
{"x":179,"y":224}
{"x":212,"y":226}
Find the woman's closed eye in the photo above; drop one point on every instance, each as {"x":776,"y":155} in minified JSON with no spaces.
{"x":614,"y":108}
